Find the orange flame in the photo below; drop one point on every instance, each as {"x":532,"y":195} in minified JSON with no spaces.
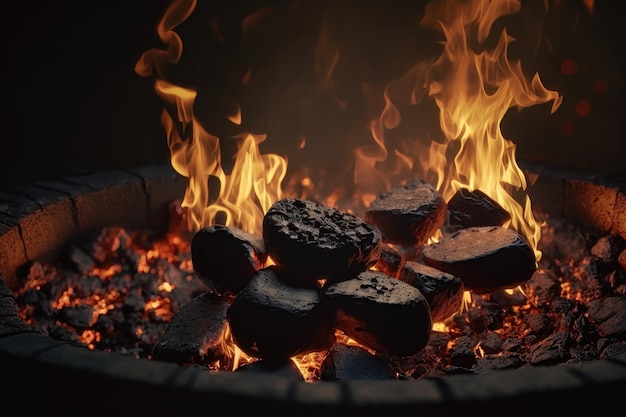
{"x":254,"y":183}
{"x":473,"y":91}
{"x":471,"y":84}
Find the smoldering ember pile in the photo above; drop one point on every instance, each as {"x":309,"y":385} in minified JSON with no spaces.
{"x":326,"y":295}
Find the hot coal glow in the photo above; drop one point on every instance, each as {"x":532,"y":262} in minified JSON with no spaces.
{"x":119,"y":290}
{"x":342,"y":139}
{"x":469,"y":86}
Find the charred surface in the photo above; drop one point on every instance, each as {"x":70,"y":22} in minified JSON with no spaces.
{"x":443,"y":291}
{"x":487,"y":259}
{"x":314,"y":241}
{"x":409,"y":214}
{"x":194,"y":335}
{"x":225,"y":258}
{"x":475,"y":208}
{"x":272,"y":320}
{"x":381,"y":312}
{"x":351,"y":362}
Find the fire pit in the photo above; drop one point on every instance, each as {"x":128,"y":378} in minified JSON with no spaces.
{"x":439,"y":124}
{"x":40,"y":219}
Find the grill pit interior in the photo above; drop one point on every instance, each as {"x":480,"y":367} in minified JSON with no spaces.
{"x":123,"y":242}
{"x":30,"y":356}
{"x":118,"y":290}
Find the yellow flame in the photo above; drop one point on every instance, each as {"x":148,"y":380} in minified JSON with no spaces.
{"x":245,"y":194}
{"x":233,"y":357}
{"x":235,"y":117}
{"x":309,"y":364}
{"x":154,"y":59}
{"x":248,"y":191}
{"x":473,"y":90}
{"x":471,"y":84}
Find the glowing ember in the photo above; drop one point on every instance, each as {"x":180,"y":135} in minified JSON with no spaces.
{"x":472,"y":83}
{"x":139,"y":285}
{"x":124,"y":294}
{"x":129,"y":312}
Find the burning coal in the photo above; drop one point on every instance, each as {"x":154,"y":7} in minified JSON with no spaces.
{"x":473,"y":83}
{"x":136,"y":294}
{"x":510,"y":308}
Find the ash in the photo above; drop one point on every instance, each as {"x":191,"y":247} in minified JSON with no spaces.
{"x":117,"y":291}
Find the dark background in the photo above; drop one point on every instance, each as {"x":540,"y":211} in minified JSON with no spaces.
{"x":72,"y":100}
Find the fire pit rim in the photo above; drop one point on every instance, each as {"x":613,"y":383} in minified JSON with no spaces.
{"x":33,"y":352}
{"x":141,"y":195}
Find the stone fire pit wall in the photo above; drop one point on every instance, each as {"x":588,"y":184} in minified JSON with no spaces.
{"x":40,"y":374}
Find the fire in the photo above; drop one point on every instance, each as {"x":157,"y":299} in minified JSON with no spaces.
{"x":472,"y":83}
{"x":246,"y":193}
{"x":473,"y":91}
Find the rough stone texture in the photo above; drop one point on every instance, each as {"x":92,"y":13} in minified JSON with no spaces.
{"x":613,"y":350}
{"x":225,"y":258}
{"x":590,"y":204}
{"x":163,"y":185}
{"x":490,"y":363}
{"x":351,"y":362}
{"x":312,"y":241}
{"x":554,"y":349}
{"x":49,"y":227}
{"x":26,"y":356}
{"x":383,"y":313}
{"x":608,"y":248}
{"x":13,"y":208}
{"x":12,"y":252}
{"x":194,"y":336}
{"x":409,"y":214}
{"x":272,"y":320}
{"x":390,"y":261}
{"x":462,"y":354}
{"x":487,"y":259}
{"x":491,"y":342}
{"x":443,"y":291}
{"x":9,"y":322}
{"x":544,"y":286}
{"x":63,"y":368}
{"x":609,"y":315}
{"x":581,"y":197}
{"x":619,"y":214}
{"x":36,"y":220}
{"x":118,"y":199}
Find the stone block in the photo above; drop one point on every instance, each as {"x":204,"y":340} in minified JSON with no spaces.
{"x":50,"y":226}
{"x":589,"y":204}
{"x":12,"y":252}
{"x":163,"y":186}
{"x":619,"y":214}
{"x":117,"y":198}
